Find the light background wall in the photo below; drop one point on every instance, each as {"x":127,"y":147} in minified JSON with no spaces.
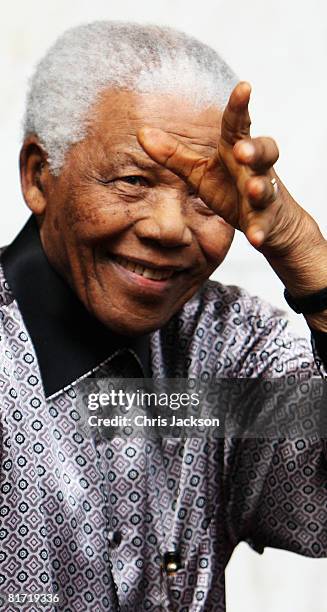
{"x":280,"y":47}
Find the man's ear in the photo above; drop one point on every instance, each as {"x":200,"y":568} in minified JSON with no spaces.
{"x":34,"y":174}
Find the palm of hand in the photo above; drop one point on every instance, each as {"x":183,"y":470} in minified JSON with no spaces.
{"x":237,"y":182}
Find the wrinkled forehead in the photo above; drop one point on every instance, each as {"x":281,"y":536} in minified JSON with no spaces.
{"x":119,"y":114}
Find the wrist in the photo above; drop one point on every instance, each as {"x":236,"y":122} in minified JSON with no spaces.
{"x":294,"y":231}
{"x":313,"y":306}
{"x":318,"y":321}
{"x":312,"y":303}
{"x":300,"y":257}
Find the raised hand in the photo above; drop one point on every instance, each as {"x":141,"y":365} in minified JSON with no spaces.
{"x":238,"y":182}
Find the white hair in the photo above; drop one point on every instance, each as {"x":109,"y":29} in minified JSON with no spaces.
{"x":90,"y":58}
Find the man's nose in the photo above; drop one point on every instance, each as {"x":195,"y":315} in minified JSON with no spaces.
{"x":166,"y":224}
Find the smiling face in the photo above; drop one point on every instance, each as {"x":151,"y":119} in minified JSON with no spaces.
{"x":126,"y":233}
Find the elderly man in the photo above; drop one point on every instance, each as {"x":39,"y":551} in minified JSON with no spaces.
{"x":137,"y":177}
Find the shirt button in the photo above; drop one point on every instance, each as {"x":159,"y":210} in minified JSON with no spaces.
{"x":97,"y":439}
{"x":171,"y":562}
{"x":114,"y":538}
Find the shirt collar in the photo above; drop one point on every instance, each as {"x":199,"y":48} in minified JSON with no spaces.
{"x":68,"y":340}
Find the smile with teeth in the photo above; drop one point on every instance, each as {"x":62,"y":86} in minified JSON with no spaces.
{"x":151,"y":273}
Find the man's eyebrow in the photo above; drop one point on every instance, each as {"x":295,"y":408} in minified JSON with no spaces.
{"x":144,"y":163}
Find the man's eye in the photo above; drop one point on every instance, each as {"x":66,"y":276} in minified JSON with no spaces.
{"x":137,"y":181}
{"x":134,"y":180}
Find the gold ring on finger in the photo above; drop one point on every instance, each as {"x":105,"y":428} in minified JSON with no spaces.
{"x":275,"y":186}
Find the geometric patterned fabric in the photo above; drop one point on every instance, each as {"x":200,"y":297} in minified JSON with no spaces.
{"x":89,"y":518}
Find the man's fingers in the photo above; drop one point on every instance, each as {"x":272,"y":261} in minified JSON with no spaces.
{"x":202,"y":174}
{"x":258,"y":227}
{"x":261,"y":191}
{"x":236,"y":119}
{"x":258,"y":153}
{"x":174,"y":155}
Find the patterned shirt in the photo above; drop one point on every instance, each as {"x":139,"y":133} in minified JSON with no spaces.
{"x":90,"y":519}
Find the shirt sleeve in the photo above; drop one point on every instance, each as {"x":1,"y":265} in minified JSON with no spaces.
{"x":279,"y":496}
{"x":276,"y":487}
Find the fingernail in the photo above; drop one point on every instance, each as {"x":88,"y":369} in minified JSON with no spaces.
{"x":258,"y":238}
{"x":247,"y":150}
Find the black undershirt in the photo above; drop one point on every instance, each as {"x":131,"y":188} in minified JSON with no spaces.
{"x":67,"y":339}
